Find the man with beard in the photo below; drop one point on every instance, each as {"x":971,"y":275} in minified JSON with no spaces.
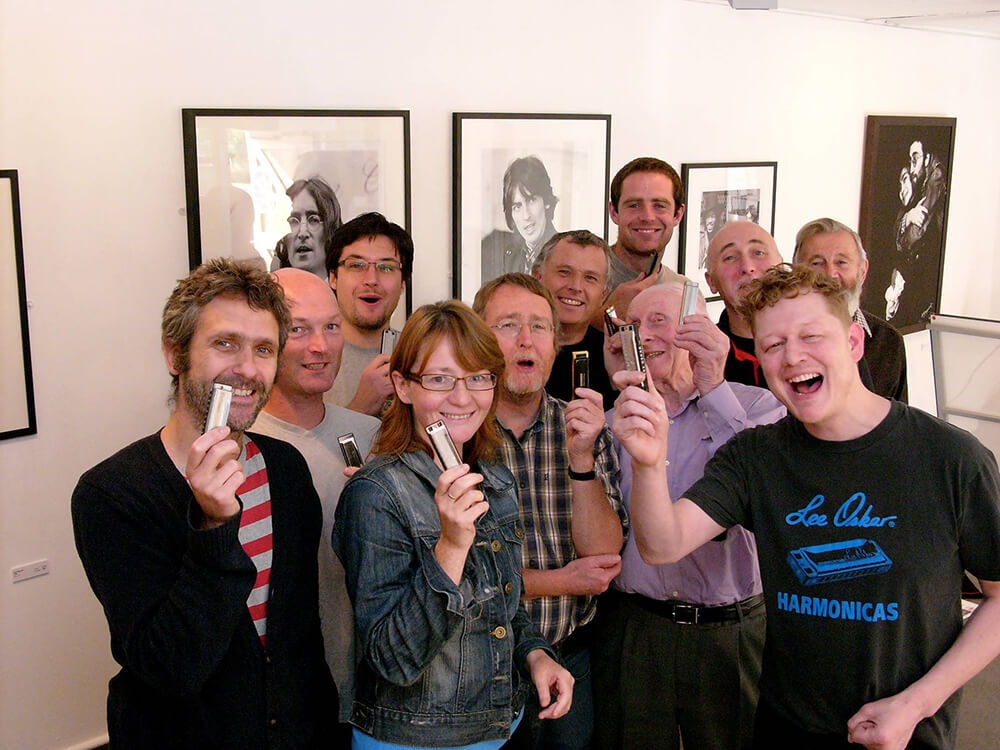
{"x":369,"y":261}
{"x":836,"y":250}
{"x":175,"y":535}
{"x":297,"y":414}
{"x":740,"y":252}
{"x":647,"y":202}
{"x":315,"y":217}
{"x":562,"y":459}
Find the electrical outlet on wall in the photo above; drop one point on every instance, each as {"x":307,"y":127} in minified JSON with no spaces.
{"x":29,"y":570}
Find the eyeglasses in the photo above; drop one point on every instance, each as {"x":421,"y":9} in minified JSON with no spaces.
{"x":360,"y":265}
{"x":313,"y":221}
{"x":433,"y":381}
{"x":511,"y":329}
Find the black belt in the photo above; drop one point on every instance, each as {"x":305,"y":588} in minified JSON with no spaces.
{"x":685,"y":613}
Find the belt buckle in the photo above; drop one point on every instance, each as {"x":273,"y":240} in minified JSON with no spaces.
{"x":686,"y":614}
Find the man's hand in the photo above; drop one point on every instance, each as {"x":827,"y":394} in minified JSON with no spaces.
{"x":885,"y":724}
{"x":553,"y":683}
{"x":640,"y":420}
{"x":708,"y":347}
{"x":584,"y":422}
{"x":214,"y":475}
{"x":916,"y":215}
{"x":591,"y":575}
{"x":374,"y":387}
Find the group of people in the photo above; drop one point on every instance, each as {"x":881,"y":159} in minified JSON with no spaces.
{"x":754,"y":541}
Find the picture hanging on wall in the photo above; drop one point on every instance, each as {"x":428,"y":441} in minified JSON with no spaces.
{"x":519,"y":179}
{"x":273,"y":185}
{"x":17,"y":397}
{"x":717,"y":194}
{"x":905,"y":188}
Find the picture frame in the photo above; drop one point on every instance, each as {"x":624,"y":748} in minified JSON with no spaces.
{"x":562,"y":160}
{"x":239,"y":163}
{"x":903,"y":219}
{"x":716,"y":194}
{"x":17,"y":397}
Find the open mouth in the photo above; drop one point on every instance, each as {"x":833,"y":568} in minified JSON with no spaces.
{"x":806,"y":383}
{"x":525,"y":364}
{"x":370,"y":299}
{"x":571,"y":302}
{"x":316,"y":366}
{"x":303,"y":249}
{"x":653,"y":354}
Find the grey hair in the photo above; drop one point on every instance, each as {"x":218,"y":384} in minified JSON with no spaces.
{"x":826,"y":226}
{"x":578,"y":237}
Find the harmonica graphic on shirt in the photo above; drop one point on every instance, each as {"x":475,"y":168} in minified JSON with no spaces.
{"x":838,"y":561}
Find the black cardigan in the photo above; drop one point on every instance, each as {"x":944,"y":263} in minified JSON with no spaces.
{"x":194,"y":673}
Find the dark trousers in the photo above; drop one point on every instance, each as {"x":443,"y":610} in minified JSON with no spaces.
{"x":570,"y":732}
{"x":655,"y":680}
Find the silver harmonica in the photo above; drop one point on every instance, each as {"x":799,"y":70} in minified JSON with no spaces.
{"x":218,"y":406}
{"x":389,"y":337}
{"x":689,"y":301}
{"x":349,"y":447}
{"x":635,"y":358}
{"x":443,"y":445}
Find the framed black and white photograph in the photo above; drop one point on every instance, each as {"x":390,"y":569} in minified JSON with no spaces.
{"x":519,"y":179}
{"x":17,"y":396}
{"x":252,"y":175}
{"x":905,"y":189}
{"x":717,"y":194}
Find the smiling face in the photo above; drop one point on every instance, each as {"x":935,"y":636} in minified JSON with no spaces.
{"x":646,"y":213}
{"x":463,"y":411}
{"x":739,"y":253}
{"x":368,"y":299}
{"x":529,"y":215}
{"x":809,"y":356}
{"x":528,"y":356}
{"x":577,"y":277}
{"x":232,"y":344}
{"x":657,"y":310}
{"x":306,"y":241}
{"x":836,"y":254}
{"x":311,"y":358}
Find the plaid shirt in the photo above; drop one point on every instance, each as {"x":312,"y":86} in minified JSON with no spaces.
{"x":539,"y":461}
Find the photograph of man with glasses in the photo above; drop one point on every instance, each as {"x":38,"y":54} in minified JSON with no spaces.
{"x":314,"y":218}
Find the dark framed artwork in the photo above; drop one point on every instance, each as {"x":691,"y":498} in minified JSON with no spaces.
{"x":241,"y":164}
{"x":17,"y":397}
{"x":718,"y":193}
{"x":519,"y":179}
{"x":905,"y":188}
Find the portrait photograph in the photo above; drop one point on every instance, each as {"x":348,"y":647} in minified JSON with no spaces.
{"x":716,"y":195}
{"x":904,"y":215}
{"x":274,"y":185}
{"x":519,"y":179}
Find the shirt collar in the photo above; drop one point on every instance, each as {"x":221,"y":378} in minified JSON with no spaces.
{"x":859,"y":318}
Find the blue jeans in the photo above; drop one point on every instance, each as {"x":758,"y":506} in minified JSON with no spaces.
{"x":570,"y":732}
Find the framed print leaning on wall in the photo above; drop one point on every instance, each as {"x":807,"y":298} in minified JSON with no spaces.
{"x":905,"y":187}
{"x":717,"y":194}
{"x":244,"y":168}
{"x":17,"y":396}
{"x":519,"y":179}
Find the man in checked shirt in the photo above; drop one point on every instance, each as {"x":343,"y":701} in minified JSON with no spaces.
{"x":574,"y":519}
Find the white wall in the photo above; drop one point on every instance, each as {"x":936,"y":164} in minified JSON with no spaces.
{"x":90,"y":100}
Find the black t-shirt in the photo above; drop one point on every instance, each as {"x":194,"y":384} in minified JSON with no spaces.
{"x":862,"y":546}
{"x":560,"y":383}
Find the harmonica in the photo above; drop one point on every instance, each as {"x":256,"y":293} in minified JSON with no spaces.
{"x":608,"y":322}
{"x":218,"y":406}
{"x":689,"y":301}
{"x":349,"y":448}
{"x":838,"y":561}
{"x":443,"y":445}
{"x":635,"y":358}
{"x":389,"y":336}
{"x":581,"y":371}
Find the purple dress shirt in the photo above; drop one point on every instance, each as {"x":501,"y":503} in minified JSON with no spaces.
{"x":719,"y":572}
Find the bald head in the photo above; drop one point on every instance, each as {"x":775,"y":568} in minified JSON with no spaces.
{"x":311,"y":358}
{"x":739,"y":252}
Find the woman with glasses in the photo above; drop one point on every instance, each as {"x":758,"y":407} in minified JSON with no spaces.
{"x":433,"y":556}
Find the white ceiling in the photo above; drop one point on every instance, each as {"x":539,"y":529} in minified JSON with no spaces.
{"x":972,"y":17}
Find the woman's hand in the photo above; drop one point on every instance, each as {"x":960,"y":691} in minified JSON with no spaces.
{"x":459,"y":504}
{"x":553,"y":683}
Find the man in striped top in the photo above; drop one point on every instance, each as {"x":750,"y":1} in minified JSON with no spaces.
{"x":202,"y":547}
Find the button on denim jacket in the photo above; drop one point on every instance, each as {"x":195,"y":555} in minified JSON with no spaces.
{"x":440,"y":663}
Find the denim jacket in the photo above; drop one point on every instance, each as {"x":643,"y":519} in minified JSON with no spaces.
{"x":439,"y":661}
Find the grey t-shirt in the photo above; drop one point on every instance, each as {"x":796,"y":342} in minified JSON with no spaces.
{"x":326,"y":464}
{"x":353,"y":361}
